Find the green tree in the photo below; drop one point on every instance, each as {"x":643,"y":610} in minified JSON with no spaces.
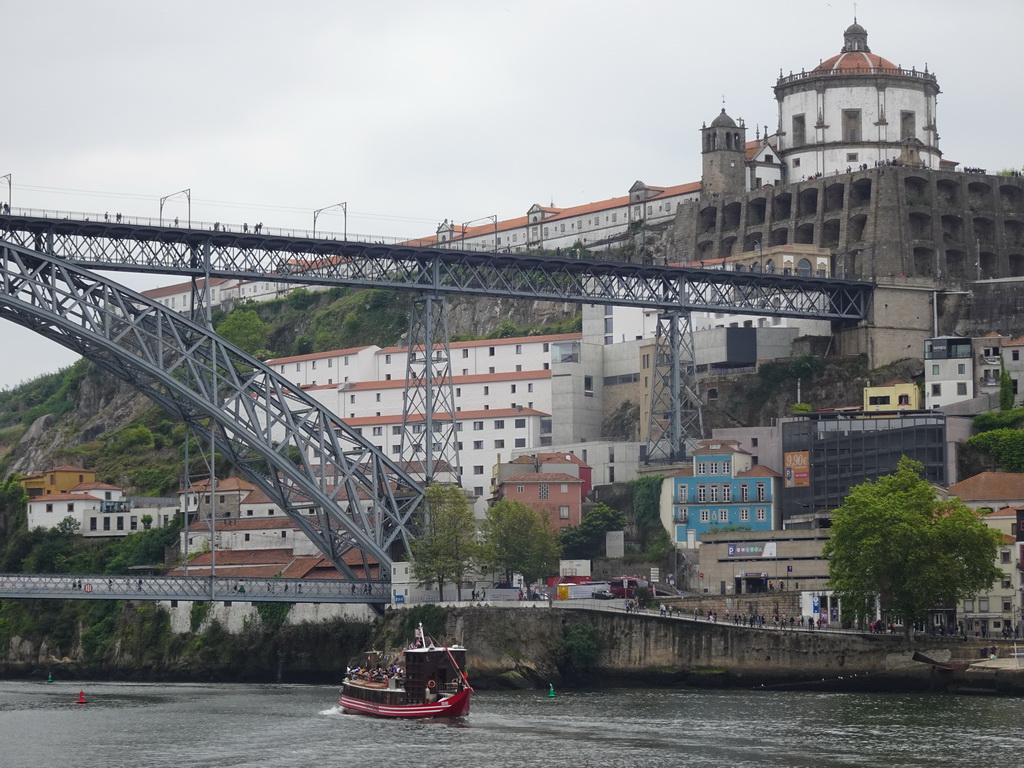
{"x":1004,"y":445}
{"x":1005,"y":388}
{"x":586,"y":540}
{"x":446,"y":547}
{"x":244,"y":329}
{"x":516,"y":540}
{"x":651,"y":537}
{"x":895,"y":541}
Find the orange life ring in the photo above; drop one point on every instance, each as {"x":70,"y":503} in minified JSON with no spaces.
{"x":431,"y":684}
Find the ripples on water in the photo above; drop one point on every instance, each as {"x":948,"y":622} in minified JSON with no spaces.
{"x":143,"y":725}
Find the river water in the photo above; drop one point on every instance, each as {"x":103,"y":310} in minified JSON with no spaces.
{"x":181,"y":726}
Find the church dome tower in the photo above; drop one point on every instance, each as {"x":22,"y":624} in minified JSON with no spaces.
{"x":856,"y":108}
{"x":723,"y":147}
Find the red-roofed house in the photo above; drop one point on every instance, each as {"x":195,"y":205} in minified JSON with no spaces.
{"x":990,"y":490}
{"x":556,"y":495}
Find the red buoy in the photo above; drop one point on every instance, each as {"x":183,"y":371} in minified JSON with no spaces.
{"x":81,"y":697}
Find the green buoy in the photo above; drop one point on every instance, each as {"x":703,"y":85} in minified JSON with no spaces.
{"x":49,"y":678}
{"x":551,"y":690}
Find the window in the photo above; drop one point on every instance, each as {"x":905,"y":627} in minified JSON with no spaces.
{"x":851,"y":125}
{"x":682,"y":491}
{"x":982,"y":605}
{"x":799,"y":130}
{"x":1007,"y":605}
{"x":1015,"y":355}
{"x":1004,"y":556}
{"x":702,"y":493}
{"x":487,"y":390}
{"x":520,"y":442}
{"x":761,"y":514}
{"x":761,"y":492}
{"x":702,"y":468}
{"x":106,"y":523}
{"x":705,"y":516}
{"x":519,"y":349}
{"x":120,"y":523}
{"x":520,"y":423}
{"x":478,"y":445}
{"x":499,"y":443}
{"x":713,"y":468}
{"x":396,"y":430}
{"x":377,"y":431}
{"x":478,"y":490}
{"x":753,"y":442}
{"x":499,"y":423}
{"x":935,"y":370}
{"x":968,"y":606}
{"x":726,"y":493}
{"x":714,"y":492}
{"x":961,"y":388}
{"x":477,"y":426}
{"x":92,"y":523}
{"x":744,"y":515}
{"x":936,"y":390}
{"x":512,"y":389}
{"x":543,"y":491}
{"x":908,"y":125}
{"x":478,"y":469}
{"x":490,"y":351}
{"x":851,"y":157}
{"x":133,"y":523}
{"x":247,"y":537}
{"x":961,"y":369}
{"x":588,"y":385}
{"x":726,"y":467}
{"x":49,"y":507}
{"x":520,"y":488}
{"x":723,"y":515}
{"x":563,"y":513}
{"x":564,"y":488}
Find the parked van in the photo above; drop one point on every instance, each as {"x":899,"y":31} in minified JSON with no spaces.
{"x":626,"y":586}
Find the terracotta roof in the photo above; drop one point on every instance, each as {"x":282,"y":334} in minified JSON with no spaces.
{"x":494,"y":413}
{"x":276,"y":522}
{"x":226,"y":557}
{"x":853,"y":63}
{"x":96,"y":487}
{"x":1018,"y":342}
{"x":704,"y":446}
{"x":686,"y":471}
{"x":69,"y":468}
{"x":317,"y":355}
{"x":550,"y":458}
{"x":542,"y":477}
{"x":493,"y":342}
{"x":173,"y":290}
{"x":227,"y":485}
{"x":473,"y":379}
{"x":990,"y":486}
{"x":758,"y":470}
{"x":63,"y":497}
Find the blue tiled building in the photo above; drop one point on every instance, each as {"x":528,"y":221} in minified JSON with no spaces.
{"x":722,"y":489}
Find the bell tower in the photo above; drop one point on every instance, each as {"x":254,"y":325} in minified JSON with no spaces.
{"x":723,"y":148}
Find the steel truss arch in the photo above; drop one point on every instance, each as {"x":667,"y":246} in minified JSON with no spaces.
{"x":340,"y":491}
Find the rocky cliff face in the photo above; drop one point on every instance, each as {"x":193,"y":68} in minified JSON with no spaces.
{"x":103,"y":403}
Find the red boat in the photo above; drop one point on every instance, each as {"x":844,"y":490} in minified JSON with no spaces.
{"x":430,"y":683}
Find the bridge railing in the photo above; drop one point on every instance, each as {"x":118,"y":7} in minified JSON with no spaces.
{"x":103,"y":587}
{"x":205,"y":226}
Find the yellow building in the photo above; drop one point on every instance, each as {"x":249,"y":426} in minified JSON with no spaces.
{"x":893,"y":396}
{"x":57,"y":480}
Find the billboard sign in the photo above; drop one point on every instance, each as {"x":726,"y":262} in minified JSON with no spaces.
{"x":797,"y":466}
{"x":751,"y":549}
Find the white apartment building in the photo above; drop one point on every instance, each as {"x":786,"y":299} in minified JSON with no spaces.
{"x":948,"y":371}
{"x":99,"y":509}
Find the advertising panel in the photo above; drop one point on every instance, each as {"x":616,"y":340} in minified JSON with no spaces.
{"x":797,"y":469}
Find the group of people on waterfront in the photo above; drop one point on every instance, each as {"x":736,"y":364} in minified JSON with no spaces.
{"x":377,"y":674}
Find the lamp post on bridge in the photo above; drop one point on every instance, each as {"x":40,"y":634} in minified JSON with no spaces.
{"x":760,"y":256}
{"x":188,"y":197}
{"x":493,"y":218}
{"x":7,"y":177}
{"x":344,"y":210}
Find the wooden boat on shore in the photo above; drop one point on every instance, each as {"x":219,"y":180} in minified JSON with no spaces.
{"x":430,"y":683}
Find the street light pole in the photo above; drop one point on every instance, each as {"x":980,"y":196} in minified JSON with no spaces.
{"x":7,"y":177}
{"x":344,"y":210}
{"x":188,"y":197}
{"x":493,"y":217}
{"x":760,"y":256}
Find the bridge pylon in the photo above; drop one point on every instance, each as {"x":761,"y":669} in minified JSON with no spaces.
{"x":675,"y":415}
{"x":429,"y":446}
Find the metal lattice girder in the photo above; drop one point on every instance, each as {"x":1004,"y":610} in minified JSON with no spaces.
{"x":327,"y":262}
{"x":429,"y":439}
{"x":302,"y":455}
{"x":675,"y":414}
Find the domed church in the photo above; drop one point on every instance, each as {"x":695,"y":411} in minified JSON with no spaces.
{"x":854,"y":109}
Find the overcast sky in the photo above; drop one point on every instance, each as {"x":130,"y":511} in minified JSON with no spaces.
{"x":414,"y":112}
